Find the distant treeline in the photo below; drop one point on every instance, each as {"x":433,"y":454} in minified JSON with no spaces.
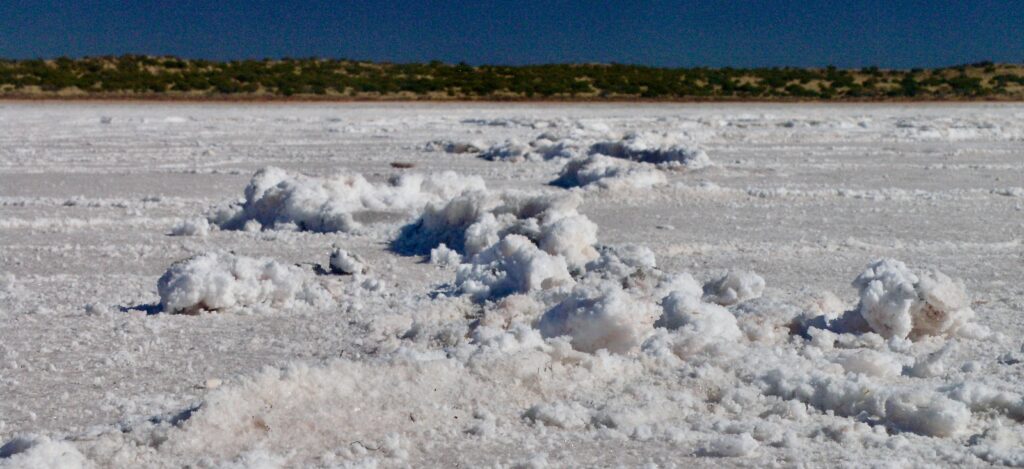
{"x":147,"y":76}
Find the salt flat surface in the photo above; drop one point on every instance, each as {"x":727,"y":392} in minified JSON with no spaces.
{"x":558,"y":326}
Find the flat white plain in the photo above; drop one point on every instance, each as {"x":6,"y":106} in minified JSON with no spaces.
{"x":400,"y":368}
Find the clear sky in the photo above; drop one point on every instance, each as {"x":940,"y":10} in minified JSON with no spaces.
{"x":899,"y":34}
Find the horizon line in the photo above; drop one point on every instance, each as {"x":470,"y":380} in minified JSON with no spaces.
{"x":978,"y":63}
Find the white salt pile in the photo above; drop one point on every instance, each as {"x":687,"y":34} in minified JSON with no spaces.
{"x":897,"y":302}
{"x":605,"y":172}
{"x":42,"y":453}
{"x":601,"y":316}
{"x":341,"y":262}
{"x":473,"y":222}
{"x":450,"y":146}
{"x":734,"y":287}
{"x":277,"y":199}
{"x":546,"y":146}
{"x":216,"y":281}
{"x":192,"y":227}
{"x":682,"y":310}
{"x":510,"y":150}
{"x":663,"y":149}
{"x":512,"y":265}
{"x":445,"y":257}
{"x":732,"y":446}
{"x":667,"y":150}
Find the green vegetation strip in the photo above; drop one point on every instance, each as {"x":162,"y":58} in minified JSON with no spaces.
{"x":136,"y":76}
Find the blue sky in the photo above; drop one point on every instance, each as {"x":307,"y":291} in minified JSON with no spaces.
{"x":851,"y":33}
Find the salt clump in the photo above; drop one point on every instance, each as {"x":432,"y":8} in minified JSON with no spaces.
{"x":192,"y":227}
{"x":608,"y":173}
{"x":1000,"y":445}
{"x":559,"y":414}
{"x":919,"y":411}
{"x":545,"y":147}
{"x":473,"y":222}
{"x":623,"y":260}
{"x":510,"y":150}
{"x":944,"y":306}
{"x":42,"y":453}
{"x":509,"y":242}
{"x":601,"y":316}
{"x":693,"y":327}
{"x":216,"y":281}
{"x":444,"y":256}
{"x":513,"y":265}
{"x":661,"y":149}
{"x":925,"y":413}
{"x":732,"y":446}
{"x":681,"y":310}
{"x":277,"y":199}
{"x":449,"y":146}
{"x":982,"y":397}
{"x":896,"y":302}
{"x":342,"y":262}
{"x":734,"y":287}
{"x":870,"y":363}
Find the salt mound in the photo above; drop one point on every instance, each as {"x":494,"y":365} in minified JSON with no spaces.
{"x":926,"y":413}
{"x":681,"y":310}
{"x":660,"y":149}
{"x":473,"y":222}
{"x":601,"y":316}
{"x":869,"y":362}
{"x":730,"y":446}
{"x":634,"y":268}
{"x":663,"y":149}
{"x":42,"y":453}
{"x":608,"y":173}
{"x":509,"y":150}
{"x":545,"y":147}
{"x":981,"y":397}
{"x":217,"y":281}
{"x":734,"y":287}
{"x":443,"y":256}
{"x":896,"y":302}
{"x":343,"y":263}
{"x":887,"y":293}
{"x":510,"y":242}
{"x":571,"y":236}
{"x":1010,"y":191}
{"x":513,"y":265}
{"x":276,"y":199}
{"x":192,"y":227}
{"x":549,"y":146}
{"x":692,"y":327}
{"x":921,"y":411}
{"x":560,"y":415}
{"x":944,"y":305}
{"x":623,"y":260}
{"x":449,"y":146}
{"x":1000,"y":445}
